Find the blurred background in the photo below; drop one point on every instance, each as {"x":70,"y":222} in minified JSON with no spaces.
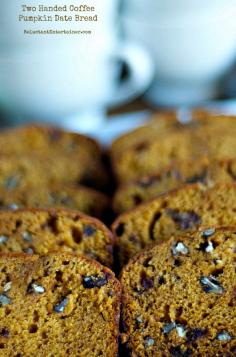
{"x":140,"y":56}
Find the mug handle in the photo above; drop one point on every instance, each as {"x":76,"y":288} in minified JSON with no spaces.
{"x":141,"y":72}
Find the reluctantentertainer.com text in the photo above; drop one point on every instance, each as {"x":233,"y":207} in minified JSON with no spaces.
{"x":57,"y":32}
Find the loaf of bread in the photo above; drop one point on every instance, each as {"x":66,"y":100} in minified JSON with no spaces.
{"x":39,"y":231}
{"x":190,"y":144}
{"x":80,"y":198}
{"x":57,"y":305}
{"x":148,"y":187}
{"x":180,"y":210}
{"x":179,"y":297}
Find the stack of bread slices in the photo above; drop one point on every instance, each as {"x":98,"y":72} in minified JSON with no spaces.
{"x":176,"y":235}
{"x":135,"y":258}
{"x":58,"y":295}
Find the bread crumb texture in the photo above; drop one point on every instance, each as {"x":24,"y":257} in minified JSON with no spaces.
{"x":173,"y":142}
{"x":179,"y":297}
{"x":205,"y":171}
{"x":38,"y":231}
{"x":57,"y":305}
{"x":181,"y":210}
{"x":43,"y":155}
{"x":77,"y":197}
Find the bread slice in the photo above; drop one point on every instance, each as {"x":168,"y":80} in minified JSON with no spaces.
{"x":40,"y":231}
{"x":181,"y":210}
{"x":46,"y":140}
{"x":179,"y":297}
{"x":81,"y":198}
{"x":17,"y":172}
{"x":159,"y":124}
{"x":57,"y":305}
{"x":147,"y":187}
{"x":195,"y":143}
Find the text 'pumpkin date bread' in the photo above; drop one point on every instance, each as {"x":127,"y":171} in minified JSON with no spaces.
{"x":79,"y":198}
{"x":57,"y":305}
{"x":193,"y":144}
{"x":180,"y":210}
{"x":147,"y":187}
{"x":39,"y":231}
{"x":179,"y":297}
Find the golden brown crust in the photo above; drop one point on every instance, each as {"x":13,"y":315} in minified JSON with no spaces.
{"x":47,"y":154}
{"x":205,"y":171}
{"x":29,"y":129}
{"x":163,"y":195}
{"x":47,"y":168}
{"x":157,"y":124}
{"x":149,"y":249}
{"x":81,"y":198}
{"x":190,"y":143}
{"x":42,"y":230}
{"x":125,"y":215}
{"x":181,"y":209}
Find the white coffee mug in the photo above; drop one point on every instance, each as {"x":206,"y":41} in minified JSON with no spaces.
{"x":67,"y":79}
{"x":55,"y":84}
{"x":193,"y":46}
